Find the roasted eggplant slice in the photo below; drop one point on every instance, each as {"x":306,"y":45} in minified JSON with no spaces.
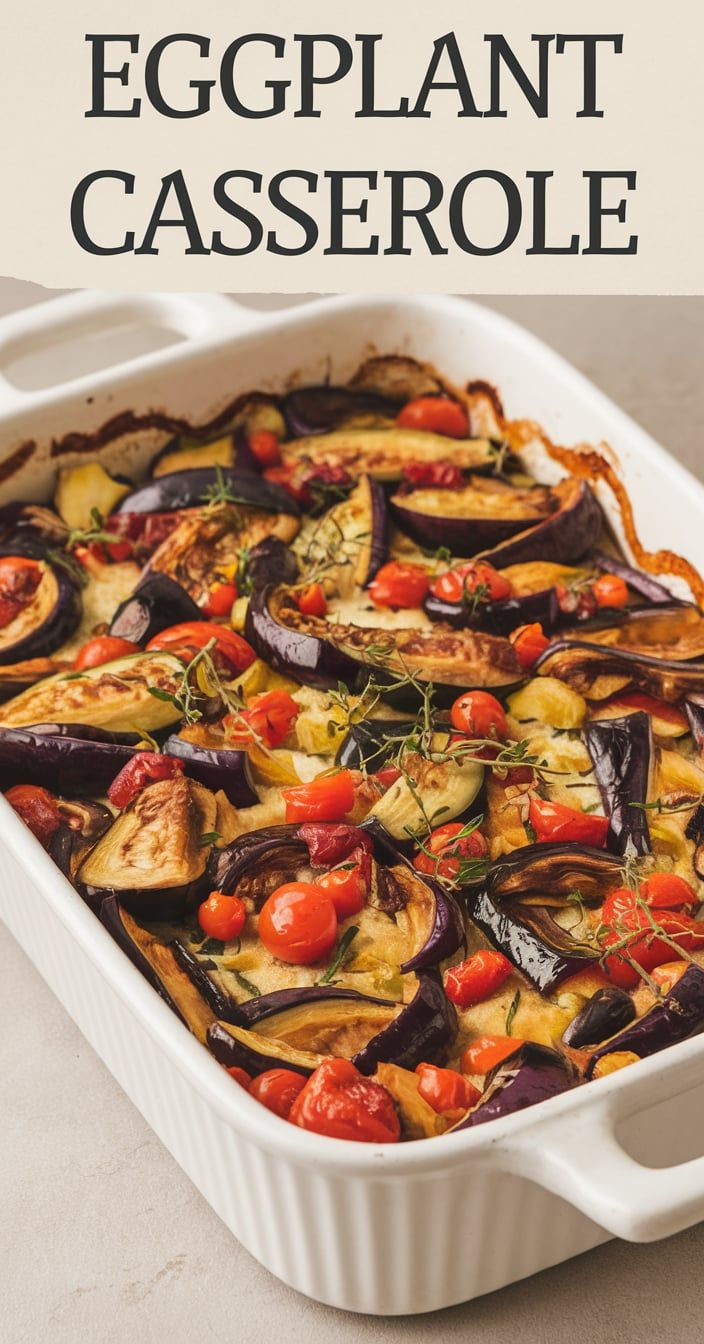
{"x":323,"y":653}
{"x":349,"y":542}
{"x":82,"y":823}
{"x":565,"y":535}
{"x":427,"y":789}
{"x":208,"y":542}
{"x":189,"y":489}
{"x":156,"y":603}
{"x":602,"y":1016}
{"x":383,"y":453}
{"x":534,"y":1073}
{"x":154,"y":853}
{"x":115,"y":696}
{"x":65,"y":756}
{"x":318,"y":410}
{"x":599,"y":671}
{"x":48,"y":617}
{"x":371,"y":742}
{"x":425,"y":1027}
{"x":675,"y":1017}
{"x":478,"y":515}
{"x":225,"y":769}
{"x":159,"y":964}
{"x":621,"y":750}
{"x":235,"y":1047}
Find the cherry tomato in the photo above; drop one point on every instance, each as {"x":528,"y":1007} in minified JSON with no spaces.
{"x":19,"y":579}
{"x":266,"y":447}
{"x":37,"y":808}
{"x":553,"y":822}
{"x":277,"y":1089}
{"x":399,"y":584}
{"x":145,"y":767}
{"x":119,"y":550}
{"x":339,"y":1101}
{"x":435,"y":415}
{"x":476,"y":578}
{"x":529,"y":642}
{"x":661,"y":891}
{"x":235,"y":650}
{"x":220,"y":599}
{"x":477,"y":978}
{"x":445,"y":1089}
{"x":268,"y":718}
{"x":667,"y":975}
{"x":386,"y":777}
{"x":610,"y":591}
{"x":646,"y":952}
{"x":240,"y":1076}
{"x":440,"y":475}
{"x":645,"y":948}
{"x":311,"y":600}
{"x":479,"y":714}
{"x":289,"y":476}
{"x":222,"y":916}
{"x":487,"y":1051}
{"x":450,"y":850}
{"x":346,"y":888}
{"x":103,"y":649}
{"x":298,"y":923}
{"x":327,"y":798}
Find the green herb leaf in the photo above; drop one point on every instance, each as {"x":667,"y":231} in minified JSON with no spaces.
{"x":246,"y":985}
{"x":209,"y":838}
{"x":214,"y":947}
{"x":530,"y":831}
{"x":512,"y":1011}
{"x":342,"y":948}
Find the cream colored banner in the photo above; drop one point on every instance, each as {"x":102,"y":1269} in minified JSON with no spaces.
{"x":129,"y":160}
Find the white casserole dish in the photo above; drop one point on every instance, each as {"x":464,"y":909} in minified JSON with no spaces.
{"x":391,"y":1229}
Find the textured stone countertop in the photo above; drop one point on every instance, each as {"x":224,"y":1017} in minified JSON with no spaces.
{"x":102,"y":1237}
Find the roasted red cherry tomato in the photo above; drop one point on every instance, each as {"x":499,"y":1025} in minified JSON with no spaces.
{"x":667,"y":975}
{"x":610,"y":591}
{"x":311,"y":600}
{"x":277,"y":1089}
{"x":479,"y":714}
{"x":450,"y":844}
{"x":103,"y":649}
{"x":194,"y":635}
{"x":475,"y":580}
{"x":346,"y":887}
{"x":37,"y":808}
{"x":429,"y":475}
{"x":327,"y":798}
{"x":556,"y":821}
{"x":289,"y":475}
{"x":650,"y":704}
{"x":268,"y":719}
{"x":660,"y":891}
{"x":339,"y":1101}
{"x":266,"y":447}
{"x":298,"y":923}
{"x":477,"y":978}
{"x":222,"y":916}
{"x":398,"y":585}
{"x":529,"y":642}
{"x":445,"y":1089}
{"x":145,"y":767}
{"x":240,"y":1076}
{"x":220,"y":599}
{"x":435,"y":415}
{"x":487,"y":1051}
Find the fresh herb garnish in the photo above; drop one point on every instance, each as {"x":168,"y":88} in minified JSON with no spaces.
{"x":209,"y":838}
{"x":213,"y":947}
{"x":342,"y":948}
{"x":512,"y":1011}
{"x":246,"y":985}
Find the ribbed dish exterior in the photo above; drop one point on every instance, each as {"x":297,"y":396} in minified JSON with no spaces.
{"x":384,"y":1246}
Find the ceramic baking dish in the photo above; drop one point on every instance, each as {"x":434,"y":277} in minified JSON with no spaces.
{"x":389,"y":1229}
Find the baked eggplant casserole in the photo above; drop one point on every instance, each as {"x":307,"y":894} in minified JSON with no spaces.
{"x":372,"y":752}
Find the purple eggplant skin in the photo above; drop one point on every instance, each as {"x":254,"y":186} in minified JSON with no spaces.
{"x":64,"y":756}
{"x":110,"y":915}
{"x":497,"y":618}
{"x":314,"y":661}
{"x":156,"y":603}
{"x":220,"y":1003}
{"x":546,"y":963}
{"x":636,"y":579}
{"x":605,"y":1013}
{"x":694,"y":830}
{"x":270,"y":561}
{"x":694,"y":709}
{"x":54,"y":629}
{"x":188,"y":489}
{"x":83,"y":822}
{"x":669,"y":678}
{"x":318,"y":410}
{"x":562,"y":537}
{"x":446,"y":935}
{"x":461,"y":536}
{"x":379,"y":542}
{"x":674,"y":1018}
{"x":232,"y":1053}
{"x":371,"y":742}
{"x":534,"y":1073}
{"x":217,"y":769}
{"x":252,"y":852}
{"x":268,"y":1005}
{"x":426,"y":1025}
{"x":621,"y":751}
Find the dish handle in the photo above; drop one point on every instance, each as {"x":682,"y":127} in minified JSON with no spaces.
{"x":579,"y":1154}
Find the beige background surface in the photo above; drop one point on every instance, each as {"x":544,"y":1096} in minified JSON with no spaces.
{"x":103,"y":1239}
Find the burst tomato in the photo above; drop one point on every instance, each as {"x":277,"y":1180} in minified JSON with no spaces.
{"x":477,"y":978}
{"x":346,"y":887}
{"x":398,"y":585}
{"x":487,"y":1051}
{"x":311,"y":600}
{"x":610,"y":591}
{"x":435,"y":415}
{"x":19,"y":579}
{"x":553,"y":822}
{"x":437,"y":475}
{"x":103,"y":649}
{"x":479,"y":714}
{"x":37,"y":808}
{"x":145,"y":767}
{"x":222,"y":916}
{"x":476,"y":579}
{"x":298,"y":923}
{"x":240,"y":1076}
{"x":268,"y":718}
{"x":529,"y":642}
{"x":265,"y":447}
{"x":445,"y":1089}
{"x":277,"y":1089}
{"x":220,"y":599}
{"x":193,"y":635}
{"x":339,"y":1101}
{"x":327,"y":798}
{"x":448,"y":846}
